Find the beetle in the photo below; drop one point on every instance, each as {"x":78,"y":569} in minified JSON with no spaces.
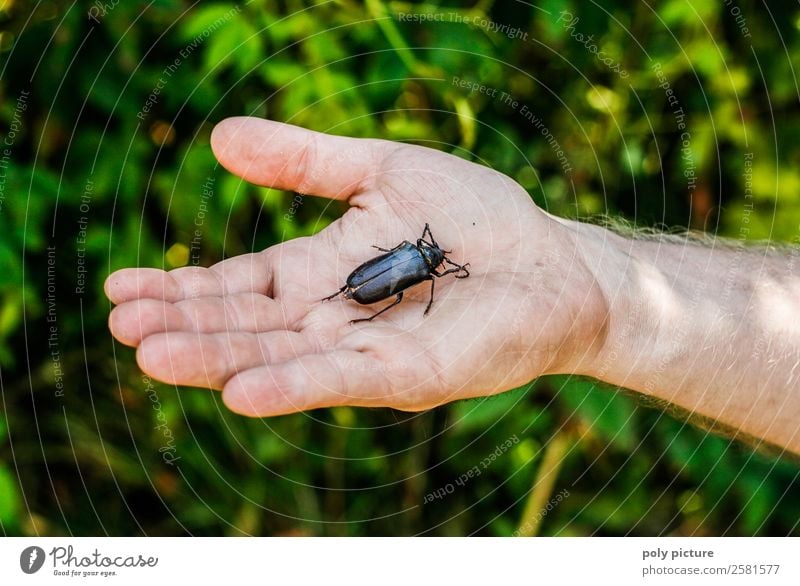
{"x":401,"y":267}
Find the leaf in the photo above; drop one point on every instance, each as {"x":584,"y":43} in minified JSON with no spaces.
{"x":236,"y":44}
{"x":610,"y":415}
{"x":478,"y":414}
{"x":279,"y":71}
{"x":9,"y":499}
{"x":206,"y":20}
{"x":10,"y":315}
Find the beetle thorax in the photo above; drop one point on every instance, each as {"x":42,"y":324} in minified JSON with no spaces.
{"x":433,"y":254}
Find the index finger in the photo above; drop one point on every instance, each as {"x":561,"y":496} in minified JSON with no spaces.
{"x":240,"y":274}
{"x":288,"y":157}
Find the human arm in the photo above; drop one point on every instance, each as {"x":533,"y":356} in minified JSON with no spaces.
{"x":707,"y":325}
{"x":545,"y":295}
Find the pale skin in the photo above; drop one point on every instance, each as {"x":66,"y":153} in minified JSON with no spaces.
{"x":711,"y":330}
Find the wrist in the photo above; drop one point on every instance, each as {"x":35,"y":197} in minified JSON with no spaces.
{"x":657,"y":309}
{"x":617,"y":279}
{"x":593,"y":263}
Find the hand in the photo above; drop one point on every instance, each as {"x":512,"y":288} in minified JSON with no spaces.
{"x":254,"y":325}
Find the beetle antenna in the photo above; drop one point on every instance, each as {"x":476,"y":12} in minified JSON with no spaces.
{"x":329,"y":297}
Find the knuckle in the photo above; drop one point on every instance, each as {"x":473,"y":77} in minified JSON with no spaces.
{"x":304,"y":166}
{"x":230,"y":309}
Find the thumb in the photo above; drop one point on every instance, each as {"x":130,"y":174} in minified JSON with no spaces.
{"x":288,"y":157}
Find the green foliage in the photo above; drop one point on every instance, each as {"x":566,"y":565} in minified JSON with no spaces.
{"x":610,"y":416}
{"x":95,"y":141}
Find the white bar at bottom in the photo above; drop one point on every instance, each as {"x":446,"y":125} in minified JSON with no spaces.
{"x":400,"y":561}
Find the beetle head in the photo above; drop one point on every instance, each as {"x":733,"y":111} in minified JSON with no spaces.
{"x":433,"y":254}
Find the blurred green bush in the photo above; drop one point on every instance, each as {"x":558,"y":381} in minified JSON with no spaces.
{"x":109,"y":107}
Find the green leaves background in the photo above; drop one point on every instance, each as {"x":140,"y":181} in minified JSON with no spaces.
{"x":89,"y":462}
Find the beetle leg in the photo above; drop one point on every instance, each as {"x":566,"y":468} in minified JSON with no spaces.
{"x":433,"y":242}
{"x":459,"y":268}
{"x":427,"y":231}
{"x":430,"y":302}
{"x":339,"y":292}
{"x":447,"y":272}
{"x":450,"y":262}
{"x":396,"y":301}
{"x":389,"y":249}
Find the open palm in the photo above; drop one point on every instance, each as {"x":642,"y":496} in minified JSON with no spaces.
{"x":254,"y":325}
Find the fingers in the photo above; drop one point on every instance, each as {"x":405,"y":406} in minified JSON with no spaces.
{"x":248,"y":272}
{"x":293,"y":158}
{"x":209,"y":360}
{"x":342,"y":377}
{"x":133,"y":321}
{"x":127,"y":284}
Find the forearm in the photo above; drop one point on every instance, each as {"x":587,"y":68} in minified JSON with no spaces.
{"x":707,"y":327}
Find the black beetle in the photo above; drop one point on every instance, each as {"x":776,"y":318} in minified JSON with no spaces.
{"x":401,"y":267}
